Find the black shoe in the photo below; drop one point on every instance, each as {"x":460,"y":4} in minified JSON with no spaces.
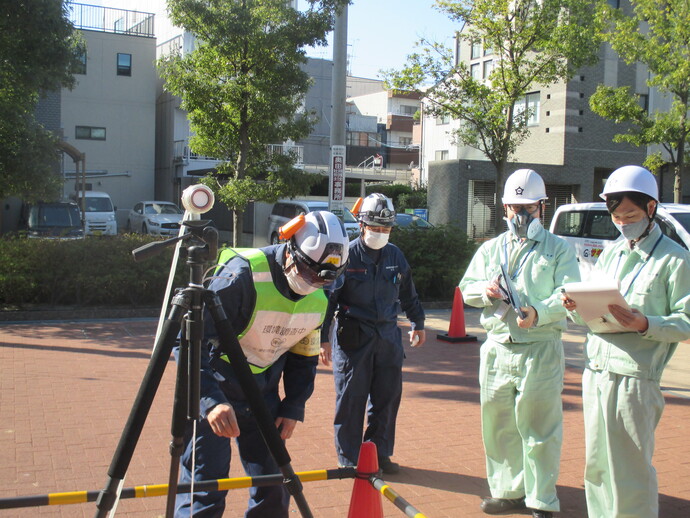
{"x":538,"y":513}
{"x":388,"y":466}
{"x":502,"y":505}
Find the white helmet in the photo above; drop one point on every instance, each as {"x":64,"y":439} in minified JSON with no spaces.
{"x":522,"y":187}
{"x":377,"y":210}
{"x":320,"y":246}
{"x":631,"y":178}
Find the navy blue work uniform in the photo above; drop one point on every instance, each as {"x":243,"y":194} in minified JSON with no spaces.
{"x":367,"y":351}
{"x":235,"y":287}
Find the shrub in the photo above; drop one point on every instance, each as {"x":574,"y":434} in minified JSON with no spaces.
{"x":83,"y":272}
{"x":438,"y":257}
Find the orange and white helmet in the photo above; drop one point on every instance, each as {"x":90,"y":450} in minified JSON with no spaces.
{"x":319,"y":245}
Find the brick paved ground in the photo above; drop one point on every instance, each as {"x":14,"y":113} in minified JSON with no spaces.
{"x":66,"y":390}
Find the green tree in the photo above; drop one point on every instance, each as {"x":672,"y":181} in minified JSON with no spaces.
{"x":243,"y":88}
{"x":38,"y":50}
{"x":657,"y":34}
{"x":534,"y":43}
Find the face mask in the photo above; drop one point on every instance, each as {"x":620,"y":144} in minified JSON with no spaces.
{"x":524,"y":225}
{"x":297,"y":283}
{"x":632,"y":231}
{"x":375,"y":240}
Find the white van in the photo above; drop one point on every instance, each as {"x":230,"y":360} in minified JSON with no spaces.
{"x":99,"y":214}
{"x":589,"y":229}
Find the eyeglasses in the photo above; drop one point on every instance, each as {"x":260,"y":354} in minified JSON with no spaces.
{"x":531,"y":208}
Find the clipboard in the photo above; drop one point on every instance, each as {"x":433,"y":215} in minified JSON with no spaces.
{"x":593,"y":300}
{"x":512,"y":295}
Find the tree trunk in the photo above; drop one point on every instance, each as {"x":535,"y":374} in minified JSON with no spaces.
{"x":237,"y":224}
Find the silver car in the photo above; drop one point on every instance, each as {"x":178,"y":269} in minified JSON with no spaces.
{"x":157,"y":218}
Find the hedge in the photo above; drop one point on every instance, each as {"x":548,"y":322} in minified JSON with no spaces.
{"x":438,"y":257}
{"x":83,"y":272}
{"x":101,"y":272}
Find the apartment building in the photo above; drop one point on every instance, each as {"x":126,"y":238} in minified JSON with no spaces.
{"x":569,"y":145}
{"x":109,"y":116}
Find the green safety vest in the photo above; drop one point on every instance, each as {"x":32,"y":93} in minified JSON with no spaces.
{"x":278,"y":323}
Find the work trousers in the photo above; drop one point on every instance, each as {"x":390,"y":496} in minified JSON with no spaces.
{"x":621,"y":416}
{"x":522,"y":419}
{"x":213,"y":455}
{"x":368,"y":379}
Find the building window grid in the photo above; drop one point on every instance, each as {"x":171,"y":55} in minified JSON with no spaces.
{"x":89,"y":133}
{"x":124,"y":64}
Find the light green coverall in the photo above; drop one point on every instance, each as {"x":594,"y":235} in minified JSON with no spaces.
{"x":521,"y":370}
{"x":622,"y":399}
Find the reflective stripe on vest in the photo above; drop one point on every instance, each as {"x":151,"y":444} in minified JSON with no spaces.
{"x":277,"y":323}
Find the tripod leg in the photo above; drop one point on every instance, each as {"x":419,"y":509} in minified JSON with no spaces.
{"x":179,"y":421}
{"x":140,"y":409}
{"x":231,"y":346}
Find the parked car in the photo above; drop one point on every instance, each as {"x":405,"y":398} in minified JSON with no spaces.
{"x":56,"y":220}
{"x":284,"y":210}
{"x":589,"y":229}
{"x":99,"y":213}
{"x":157,"y":218}
{"x":403,"y":220}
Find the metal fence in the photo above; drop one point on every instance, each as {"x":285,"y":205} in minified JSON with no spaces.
{"x":106,"y":19}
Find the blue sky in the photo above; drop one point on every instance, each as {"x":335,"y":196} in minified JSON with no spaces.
{"x":381,"y":33}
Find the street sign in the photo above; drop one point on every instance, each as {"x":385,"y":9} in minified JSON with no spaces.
{"x":336,"y":190}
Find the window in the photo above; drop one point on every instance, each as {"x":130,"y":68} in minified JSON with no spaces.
{"x":643,"y":100}
{"x":405,"y":141}
{"x":443,"y":119}
{"x":476,"y":50}
{"x":362,"y":139}
{"x":475,"y":71}
{"x":80,"y":66}
{"x":487,"y":67}
{"x":441,"y":154}
{"x":408,"y":110}
{"x":614,"y":3}
{"x":89,"y":133}
{"x":487,"y":50}
{"x":530,"y":103}
{"x":124,"y":64}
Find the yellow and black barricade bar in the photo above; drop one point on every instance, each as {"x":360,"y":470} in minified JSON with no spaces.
{"x":382,"y":487}
{"x":223,"y":484}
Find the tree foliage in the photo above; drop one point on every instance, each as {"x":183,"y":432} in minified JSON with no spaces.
{"x":656,"y":34}
{"x":533,"y":42}
{"x":38,"y":49}
{"x":243,"y":88}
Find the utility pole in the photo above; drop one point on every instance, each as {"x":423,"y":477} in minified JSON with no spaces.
{"x":336,"y":189}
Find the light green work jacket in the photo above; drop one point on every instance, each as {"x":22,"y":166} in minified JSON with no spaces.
{"x":539,"y":268}
{"x":659,"y":286}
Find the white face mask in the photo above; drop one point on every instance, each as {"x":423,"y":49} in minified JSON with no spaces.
{"x":375,"y":240}
{"x":297,"y":283}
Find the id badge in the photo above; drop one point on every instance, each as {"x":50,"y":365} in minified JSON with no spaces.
{"x":502,"y":310}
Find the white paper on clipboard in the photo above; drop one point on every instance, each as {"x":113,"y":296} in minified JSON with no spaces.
{"x":593,"y":300}
{"x":511,"y":292}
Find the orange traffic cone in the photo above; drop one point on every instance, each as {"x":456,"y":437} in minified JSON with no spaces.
{"x":456,"y":331}
{"x":366,"y":500}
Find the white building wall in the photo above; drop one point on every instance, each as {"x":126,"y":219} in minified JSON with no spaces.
{"x":122,"y":164}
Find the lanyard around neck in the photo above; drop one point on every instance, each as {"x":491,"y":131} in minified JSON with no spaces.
{"x":641,"y":267}
{"x":514,"y":275}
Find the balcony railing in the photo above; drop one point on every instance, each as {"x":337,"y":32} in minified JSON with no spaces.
{"x":106,"y":19}
{"x":182,"y":152}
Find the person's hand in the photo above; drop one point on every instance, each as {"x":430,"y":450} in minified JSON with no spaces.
{"x":419,"y":336}
{"x":223,"y":421}
{"x":493,"y":290}
{"x":529,"y":320}
{"x":286,"y":427}
{"x":630,"y":319}
{"x":325,"y":353}
{"x":568,"y":303}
